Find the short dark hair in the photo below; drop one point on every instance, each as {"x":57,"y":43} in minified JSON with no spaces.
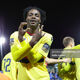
{"x":42,"y":13}
{"x":67,"y":40}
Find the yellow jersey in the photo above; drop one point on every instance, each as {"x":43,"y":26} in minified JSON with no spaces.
{"x":31,"y":60}
{"x":9,"y":67}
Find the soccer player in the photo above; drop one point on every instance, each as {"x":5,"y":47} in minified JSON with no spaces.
{"x":67,"y":71}
{"x":31,"y":46}
{"x":9,"y":66}
{"x":75,"y":67}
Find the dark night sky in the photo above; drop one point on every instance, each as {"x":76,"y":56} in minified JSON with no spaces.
{"x":63,"y":19}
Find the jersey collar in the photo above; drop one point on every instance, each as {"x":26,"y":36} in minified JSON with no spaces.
{"x":29,"y":33}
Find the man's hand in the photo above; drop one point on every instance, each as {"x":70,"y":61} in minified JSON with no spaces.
{"x":22,"y":31}
{"x":67,"y":60}
{"x":37,"y":35}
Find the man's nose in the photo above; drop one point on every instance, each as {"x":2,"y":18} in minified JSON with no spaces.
{"x":33,"y":17}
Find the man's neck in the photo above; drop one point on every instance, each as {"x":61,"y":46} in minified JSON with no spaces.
{"x":68,"y":46}
{"x":31,"y":30}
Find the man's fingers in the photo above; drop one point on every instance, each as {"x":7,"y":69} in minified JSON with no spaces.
{"x":43,"y":34}
{"x":41,"y":28}
{"x":26,"y":30}
{"x":22,"y":25}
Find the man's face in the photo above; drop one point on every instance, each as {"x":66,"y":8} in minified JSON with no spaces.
{"x":33,"y":18}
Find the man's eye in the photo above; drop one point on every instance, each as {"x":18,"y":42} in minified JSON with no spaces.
{"x":37,"y":15}
{"x":30,"y":15}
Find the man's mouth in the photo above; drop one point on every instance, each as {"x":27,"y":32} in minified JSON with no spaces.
{"x":33,"y":21}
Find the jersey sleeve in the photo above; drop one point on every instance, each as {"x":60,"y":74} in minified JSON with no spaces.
{"x":76,"y":47}
{"x":18,"y":49}
{"x":41,"y":49}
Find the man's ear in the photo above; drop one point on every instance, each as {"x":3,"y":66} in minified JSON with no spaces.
{"x":71,"y":44}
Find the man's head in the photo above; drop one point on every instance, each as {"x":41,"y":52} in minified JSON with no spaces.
{"x":68,"y":41}
{"x":34,"y":16}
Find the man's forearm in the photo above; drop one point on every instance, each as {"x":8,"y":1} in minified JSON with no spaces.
{"x":53,"y":61}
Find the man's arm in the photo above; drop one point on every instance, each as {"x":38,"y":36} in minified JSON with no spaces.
{"x":18,"y":49}
{"x":41,"y":49}
{"x":53,"y":61}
